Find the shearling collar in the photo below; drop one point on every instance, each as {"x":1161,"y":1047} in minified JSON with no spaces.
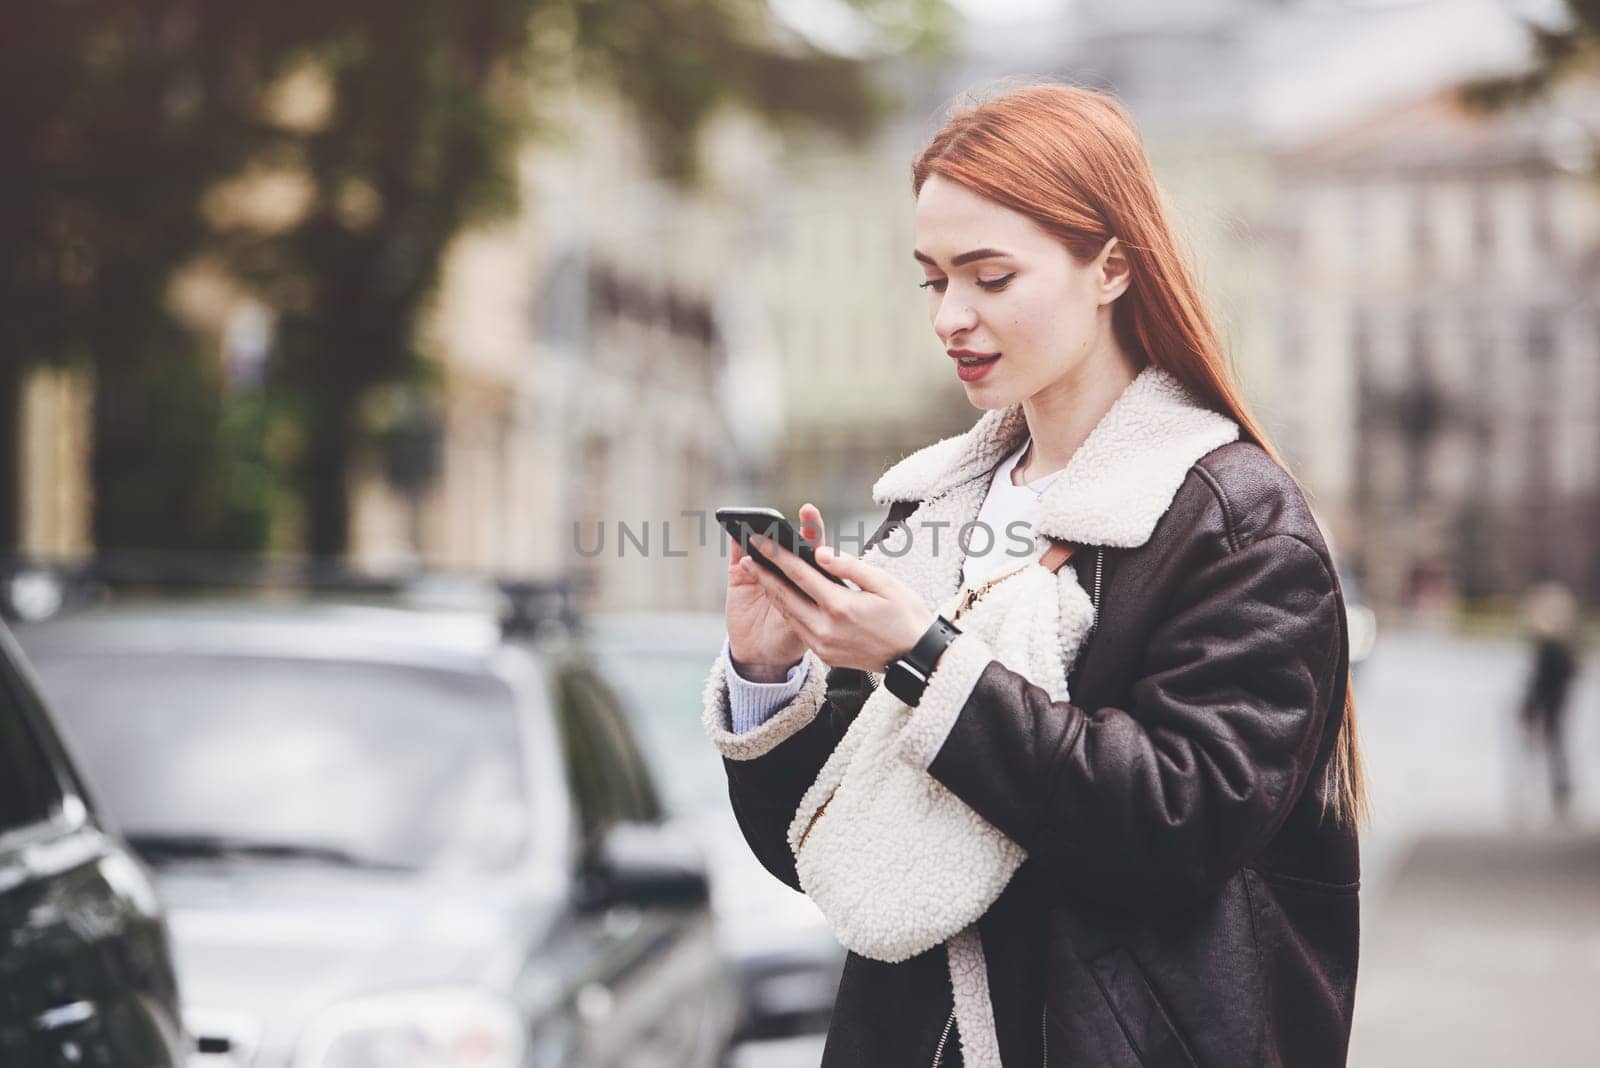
{"x":1117,"y":485}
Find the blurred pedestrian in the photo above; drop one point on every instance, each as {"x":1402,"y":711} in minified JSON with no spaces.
{"x":1091,"y":815}
{"x":1552,"y":619}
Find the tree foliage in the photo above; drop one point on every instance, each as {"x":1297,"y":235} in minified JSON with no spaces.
{"x":136,"y":129}
{"x":117,"y":117}
{"x":1562,"y":50}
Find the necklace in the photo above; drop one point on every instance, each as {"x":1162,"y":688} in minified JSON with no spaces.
{"x":1048,"y":480}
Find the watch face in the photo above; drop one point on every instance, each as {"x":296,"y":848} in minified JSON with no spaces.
{"x":903,"y":684}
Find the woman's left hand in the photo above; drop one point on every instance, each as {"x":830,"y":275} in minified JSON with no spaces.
{"x":863,"y":628}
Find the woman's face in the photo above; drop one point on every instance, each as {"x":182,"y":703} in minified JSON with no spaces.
{"x":998,"y":283}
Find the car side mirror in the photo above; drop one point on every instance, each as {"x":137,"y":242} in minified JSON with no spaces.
{"x":647,"y":865}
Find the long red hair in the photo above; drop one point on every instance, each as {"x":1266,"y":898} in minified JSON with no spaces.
{"x":1071,"y":160}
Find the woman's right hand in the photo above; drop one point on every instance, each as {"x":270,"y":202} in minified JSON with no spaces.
{"x":763,"y":644}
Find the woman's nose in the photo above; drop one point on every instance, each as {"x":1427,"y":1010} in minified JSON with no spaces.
{"x":952,"y":318}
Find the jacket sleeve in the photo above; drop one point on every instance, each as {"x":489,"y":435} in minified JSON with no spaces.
{"x":1154,"y":804}
{"x":772,"y":766}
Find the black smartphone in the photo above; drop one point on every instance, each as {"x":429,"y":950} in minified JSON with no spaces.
{"x":741,"y":523}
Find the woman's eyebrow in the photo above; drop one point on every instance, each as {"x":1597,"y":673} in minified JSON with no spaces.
{"x":964,"y":258}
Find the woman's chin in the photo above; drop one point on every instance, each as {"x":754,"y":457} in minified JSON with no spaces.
{"x":988,"y":396}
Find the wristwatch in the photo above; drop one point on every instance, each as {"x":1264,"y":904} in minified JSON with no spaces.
{"x":907,"y":677}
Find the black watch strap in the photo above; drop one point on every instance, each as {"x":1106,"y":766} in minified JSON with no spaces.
{"x":907,"y":677}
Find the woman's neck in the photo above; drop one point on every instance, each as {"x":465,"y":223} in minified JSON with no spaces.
{"x":1061,"y":415}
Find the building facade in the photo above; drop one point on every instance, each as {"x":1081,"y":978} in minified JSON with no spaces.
{"x":1439,"y":348}
{"x":585,"y":345}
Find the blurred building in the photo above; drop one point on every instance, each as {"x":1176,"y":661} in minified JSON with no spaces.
{"x":1438,"y":345}
{"x":586,"y":427}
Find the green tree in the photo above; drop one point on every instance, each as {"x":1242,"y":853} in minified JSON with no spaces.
{"x":1566,"y":48}
{"x":122,"y":117}
{"x":426,"y":102}
{"x":116,"y":117}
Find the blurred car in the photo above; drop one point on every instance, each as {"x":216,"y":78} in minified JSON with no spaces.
{"x":788,"y":960}
{"x":392,"y":837}
{"x":86,"y":975}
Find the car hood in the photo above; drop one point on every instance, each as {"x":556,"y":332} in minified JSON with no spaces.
{"x":260,"y":948}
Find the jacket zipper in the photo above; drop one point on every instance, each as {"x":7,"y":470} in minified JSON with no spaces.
{"x":1099,"y":568}
{"x":938,"y":1053}
{"x":1044,"y":1038}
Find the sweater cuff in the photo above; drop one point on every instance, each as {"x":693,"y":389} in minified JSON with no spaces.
{"x":753,"y":703}
{"x":795,"y":713}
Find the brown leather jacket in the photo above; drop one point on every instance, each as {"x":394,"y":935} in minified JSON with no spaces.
{"x":1182,"y":903}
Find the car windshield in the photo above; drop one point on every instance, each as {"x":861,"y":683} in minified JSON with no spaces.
{"x":662,"y":690}
{"x":225,"y":756}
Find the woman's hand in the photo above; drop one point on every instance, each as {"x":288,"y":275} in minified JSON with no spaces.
{"x":866,"y":627}
{"x":763,"y":644}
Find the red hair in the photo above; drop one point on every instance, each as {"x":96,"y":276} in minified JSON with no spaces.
{"x":1071,"y":160}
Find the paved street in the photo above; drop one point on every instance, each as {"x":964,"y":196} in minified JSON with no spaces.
{"x":1481,"y":941}
{"x":1484,"y":951}
{"x":1438,"y":730}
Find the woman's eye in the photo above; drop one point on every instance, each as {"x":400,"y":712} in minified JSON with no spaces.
{"x":992,"y":285}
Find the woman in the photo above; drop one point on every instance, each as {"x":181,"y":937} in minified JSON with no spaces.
{"x":1162,"y":729}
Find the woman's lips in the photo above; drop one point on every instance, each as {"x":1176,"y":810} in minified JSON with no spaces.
{"x":973,"y":368}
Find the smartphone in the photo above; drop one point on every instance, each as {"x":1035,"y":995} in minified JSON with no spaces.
{"x":741,"y":523}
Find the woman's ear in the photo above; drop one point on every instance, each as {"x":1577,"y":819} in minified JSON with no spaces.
{"x":1113,"y":271}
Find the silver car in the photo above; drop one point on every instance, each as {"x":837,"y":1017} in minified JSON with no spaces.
{"x":787,"y":958}
{"x":392,"y":837}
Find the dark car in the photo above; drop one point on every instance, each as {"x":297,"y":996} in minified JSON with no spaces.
{"x":392,"y":837}
{"x":86,"y":976}
{"x":789,"y":961}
